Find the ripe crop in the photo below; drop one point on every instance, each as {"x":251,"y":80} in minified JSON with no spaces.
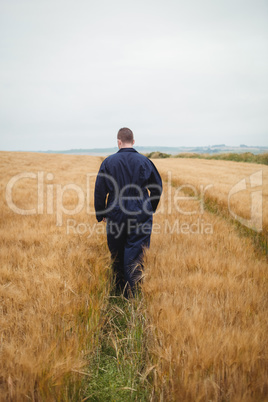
{"x":203,"y":308}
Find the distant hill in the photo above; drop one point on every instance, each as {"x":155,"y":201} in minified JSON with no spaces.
{"x":211,"y":149}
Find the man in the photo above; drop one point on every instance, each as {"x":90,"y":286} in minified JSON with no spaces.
{"x":126,"y":177}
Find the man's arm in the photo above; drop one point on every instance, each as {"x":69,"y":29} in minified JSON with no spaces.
{"x":155,"y":187}
{"x":100,"y":194}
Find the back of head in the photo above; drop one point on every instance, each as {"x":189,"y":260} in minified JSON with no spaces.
{"x":125,"y":135}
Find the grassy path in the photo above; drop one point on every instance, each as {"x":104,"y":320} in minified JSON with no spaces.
{"x":118,"y":368}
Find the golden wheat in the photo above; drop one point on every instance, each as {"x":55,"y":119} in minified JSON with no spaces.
{"x":206,"y":297}
{"x":53,"y":286}
{"x":205,"y":290}
{"x":217,"y":178}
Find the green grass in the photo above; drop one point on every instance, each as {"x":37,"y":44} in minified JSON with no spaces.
{"x":231,"y":156}
{"x":157,"y":155}
{"x":117,"y":371}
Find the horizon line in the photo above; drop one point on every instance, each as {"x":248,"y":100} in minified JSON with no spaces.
{"x":241,"y":146}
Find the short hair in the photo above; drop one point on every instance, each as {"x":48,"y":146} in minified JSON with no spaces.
{"x":125,"y":135}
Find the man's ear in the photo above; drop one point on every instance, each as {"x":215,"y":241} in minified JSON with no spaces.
{"x":119,"y":143}
{"x":133,"y":142}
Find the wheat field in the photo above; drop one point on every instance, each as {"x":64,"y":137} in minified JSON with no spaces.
{"x":204,"y":293}
{"x":54,"y":285}
{"x":215,"y":179}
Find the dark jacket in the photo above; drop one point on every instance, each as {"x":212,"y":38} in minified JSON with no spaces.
{"x":126,"y":177}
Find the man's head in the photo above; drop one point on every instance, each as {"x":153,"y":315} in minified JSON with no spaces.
{"x":125,"y":138}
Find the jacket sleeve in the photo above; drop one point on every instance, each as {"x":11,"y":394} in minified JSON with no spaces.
{"x":154,"y":186}
{"x":100,"y":193}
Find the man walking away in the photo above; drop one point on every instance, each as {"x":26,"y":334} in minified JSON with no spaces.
{"x":126,"y":177}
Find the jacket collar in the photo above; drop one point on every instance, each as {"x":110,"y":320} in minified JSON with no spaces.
{"x":127,"y":150}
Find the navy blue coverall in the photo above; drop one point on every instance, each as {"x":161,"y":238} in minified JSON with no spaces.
{"x":126,"y":177}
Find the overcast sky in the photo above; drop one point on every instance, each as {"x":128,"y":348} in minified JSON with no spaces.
{"x":177,"y":72}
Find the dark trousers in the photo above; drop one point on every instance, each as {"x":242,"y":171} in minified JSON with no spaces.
{"x":126,"y":242}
